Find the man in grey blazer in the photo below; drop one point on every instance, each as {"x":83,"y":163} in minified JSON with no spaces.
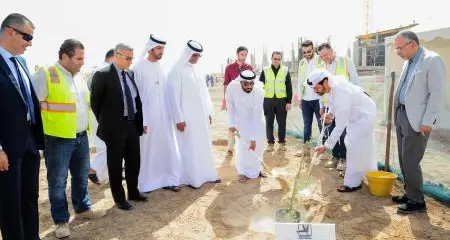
{"x":419,"y":100}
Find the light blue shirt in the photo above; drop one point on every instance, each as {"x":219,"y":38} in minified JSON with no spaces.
{"x":406,"y":79}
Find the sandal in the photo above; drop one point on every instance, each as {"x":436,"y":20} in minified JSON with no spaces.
{"x":172,"y":188}
{"x":243,"y":178}
{"x":344,"y":188}
{"x":262,"y":175}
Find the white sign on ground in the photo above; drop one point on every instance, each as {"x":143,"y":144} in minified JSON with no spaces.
{"x":305,"y":231}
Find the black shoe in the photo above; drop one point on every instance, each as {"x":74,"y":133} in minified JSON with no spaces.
{"x":344,"y":188}
{"x":139,"y":198}
{"x":400,"y":199}
{"x":172,"y":188}
{"x":94,"y":179}
{"x":412,"y":208}
{"x":216,"y":181}
{"x":124,"y":205}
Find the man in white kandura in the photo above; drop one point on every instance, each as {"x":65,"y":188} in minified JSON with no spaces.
{"x":160,"y":158}
{"x":191,"y":109}
{"x":354,"y":109}
{"x":245,"y":98}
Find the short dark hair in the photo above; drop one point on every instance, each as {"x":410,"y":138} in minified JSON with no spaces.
{"x":69,"y":46}
{"x":109,"y":54}
{"x":409,"y":36}
{"x":240,"y":49}
{"x":15,"y":20}
{"x":324,"y":45}
{"x":277,"y":53}
{"x":307,"y":43}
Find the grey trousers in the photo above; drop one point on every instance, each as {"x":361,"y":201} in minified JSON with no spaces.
{"x":411,"y":148}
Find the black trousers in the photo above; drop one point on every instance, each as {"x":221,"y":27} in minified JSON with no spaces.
{"x":275,"y":108}
{"x":19,"y":186}
{"x":126,"y":147}
{"x":339,"y":150}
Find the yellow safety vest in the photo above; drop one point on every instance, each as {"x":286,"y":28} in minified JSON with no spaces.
{"x":303,"y":69}
{"x":341,"y":70}
{"x":275,"y":86}
{"x":59,"y":111}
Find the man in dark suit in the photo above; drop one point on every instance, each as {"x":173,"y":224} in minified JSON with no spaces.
{"x":117,"y":106}
{"x":21,"y":134}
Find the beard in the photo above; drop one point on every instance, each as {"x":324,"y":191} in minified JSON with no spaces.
{"x":247,"y":90}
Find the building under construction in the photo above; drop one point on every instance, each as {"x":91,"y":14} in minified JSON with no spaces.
{"x":369,"y":49}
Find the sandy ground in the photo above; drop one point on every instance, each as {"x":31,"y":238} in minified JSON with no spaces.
{"x":232,"y":210}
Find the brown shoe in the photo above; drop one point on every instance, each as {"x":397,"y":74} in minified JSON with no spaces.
{"x":90,"y":214}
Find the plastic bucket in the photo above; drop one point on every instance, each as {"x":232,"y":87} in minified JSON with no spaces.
{"x":381,"y":183}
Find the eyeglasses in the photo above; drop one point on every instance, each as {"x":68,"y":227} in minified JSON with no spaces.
{"x":25,"y":36}
{"x":402,"y":47}
{"x":307,"y":52}
{"x":129,"y":59}
{"x":277,"y":59}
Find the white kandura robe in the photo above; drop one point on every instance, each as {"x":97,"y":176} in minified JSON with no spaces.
{"x":358,"y":112}
{"x":99,"y":161}
{"x":160,"y":158}
{"x":191,"y":103}
{"x":245,"y":113}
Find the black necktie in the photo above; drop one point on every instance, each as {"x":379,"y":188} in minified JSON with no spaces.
{"x":25,"y":93}
{"x":128,"y":97}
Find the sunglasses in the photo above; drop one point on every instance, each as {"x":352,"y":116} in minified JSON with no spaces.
{"x":129,"y":59}
{"x":25,"y":36}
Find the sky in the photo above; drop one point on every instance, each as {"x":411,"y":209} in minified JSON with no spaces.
{"x":221,"y":26}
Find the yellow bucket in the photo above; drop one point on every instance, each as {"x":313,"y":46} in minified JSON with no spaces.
{"x":381,"y":183}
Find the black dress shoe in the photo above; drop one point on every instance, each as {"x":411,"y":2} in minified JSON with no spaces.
{"x":93,"y":177}
{"x":139,"y":198}
{"x":344,"y":188}
{"x":412,"y":208}
{"x":124,"y":205}
{"x":400,"y":199}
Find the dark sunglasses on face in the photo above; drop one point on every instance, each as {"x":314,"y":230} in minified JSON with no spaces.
{"x":25,"y":36}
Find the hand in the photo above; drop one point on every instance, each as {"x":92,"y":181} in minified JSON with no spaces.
{"x":181,"y":126}
{"x":145,"y":129}
{"x":424,"y":130}
{"x":299,"y":104}
{"x":4,"y":163}
{"x":252,"y":145}
{"x":321,"y":112}
{"x":319,"y":150}
{"x":210,"y":120}
{"x":224,"y":105}
{"x":329,"y":118}
{"x":288,"y":107}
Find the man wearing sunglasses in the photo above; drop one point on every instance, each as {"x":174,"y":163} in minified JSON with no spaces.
{"x":308,"y":99}
{"x":246,"y":117}
{"x":66,"y":117}
{"x":21,"y":135}
{"x":277,"y":99}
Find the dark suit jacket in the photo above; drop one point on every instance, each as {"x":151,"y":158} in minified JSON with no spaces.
{"x":13,"y":113}
{"x":107,"y":103}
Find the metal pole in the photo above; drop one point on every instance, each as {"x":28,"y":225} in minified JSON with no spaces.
{"x":389,"y":123}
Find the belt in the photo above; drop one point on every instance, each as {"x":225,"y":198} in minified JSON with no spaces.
{"x":401,"y":106}
{"x":80,"y":134}
{"x":126,"y":118}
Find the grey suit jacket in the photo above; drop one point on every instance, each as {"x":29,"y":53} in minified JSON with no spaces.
{"x":425,"y":96}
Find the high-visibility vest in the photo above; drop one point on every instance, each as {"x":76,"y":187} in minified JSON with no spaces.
{"x":59,"y":111}
{"x":275,"y":86}
{"x":341,"y":70}
{"x":303,"y":69}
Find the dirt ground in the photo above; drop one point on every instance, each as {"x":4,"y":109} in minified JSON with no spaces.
{"x":232,"y":210}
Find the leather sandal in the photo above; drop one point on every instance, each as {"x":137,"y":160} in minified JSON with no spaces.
{"x":344,"y":188}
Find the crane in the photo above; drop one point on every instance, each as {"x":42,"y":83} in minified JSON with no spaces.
{"x":367,"y":18}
